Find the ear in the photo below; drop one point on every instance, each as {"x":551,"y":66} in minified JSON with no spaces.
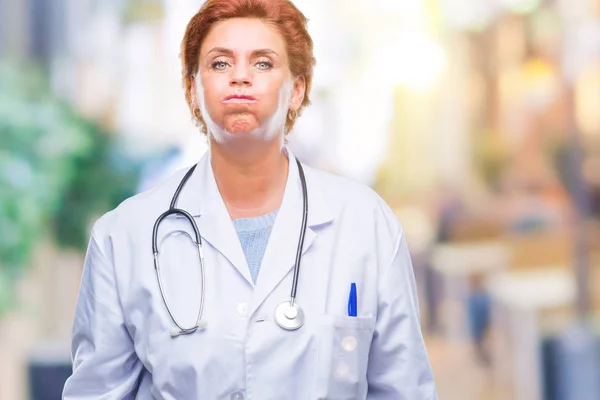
{"x":298,"y":92}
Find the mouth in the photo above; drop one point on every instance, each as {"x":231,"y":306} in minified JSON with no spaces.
{"x":239,"y":99}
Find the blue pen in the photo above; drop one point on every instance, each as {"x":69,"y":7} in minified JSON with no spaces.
{"x":352,"y":301}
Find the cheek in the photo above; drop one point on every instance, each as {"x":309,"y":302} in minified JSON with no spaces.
{"x":212,"y":88}
{"x":270,"y":93}
{"x":211,"y":99}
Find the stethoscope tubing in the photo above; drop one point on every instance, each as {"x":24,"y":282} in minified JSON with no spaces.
{"x":173,"y":210}
{"x":302,"y":235}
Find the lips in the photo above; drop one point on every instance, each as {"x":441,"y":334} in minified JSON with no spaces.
{"x":239,"y":99}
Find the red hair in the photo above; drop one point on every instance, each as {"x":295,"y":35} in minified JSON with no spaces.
{"x":282,"y":14}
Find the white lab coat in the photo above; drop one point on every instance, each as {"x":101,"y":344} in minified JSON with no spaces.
{"x":121,"y":344}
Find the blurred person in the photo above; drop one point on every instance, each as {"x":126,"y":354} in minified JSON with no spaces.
{"x":479,"y":304}
{"x":451,"y":208}
{"x":225,"y":322}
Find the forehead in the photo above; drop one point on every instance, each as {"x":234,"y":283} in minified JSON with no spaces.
{"x":243,"y":35}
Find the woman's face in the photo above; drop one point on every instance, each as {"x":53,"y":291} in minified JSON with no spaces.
{"x":244,"y":87}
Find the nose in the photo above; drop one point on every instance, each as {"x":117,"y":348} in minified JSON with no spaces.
{"x":240,"y":75}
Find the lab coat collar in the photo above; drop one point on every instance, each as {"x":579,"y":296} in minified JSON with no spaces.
{"x":202,"y":199}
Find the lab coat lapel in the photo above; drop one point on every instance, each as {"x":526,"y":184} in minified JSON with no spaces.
{"x":201,"y":197}
{"x":280,"y":254}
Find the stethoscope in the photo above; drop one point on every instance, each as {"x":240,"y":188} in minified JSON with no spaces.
{"x":288,"y":315}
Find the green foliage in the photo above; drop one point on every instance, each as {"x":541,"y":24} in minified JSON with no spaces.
{"x":103,"y":178}
{"x":57,"y":171}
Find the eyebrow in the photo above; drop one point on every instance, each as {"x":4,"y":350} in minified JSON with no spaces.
{"x":258,"y":52}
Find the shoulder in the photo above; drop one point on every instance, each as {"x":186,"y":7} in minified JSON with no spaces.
{"x":349,"y":198}
{"x":140,"y":208}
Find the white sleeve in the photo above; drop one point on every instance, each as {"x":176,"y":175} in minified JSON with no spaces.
{"x":399,"y":367}
{"x":105,"y":365}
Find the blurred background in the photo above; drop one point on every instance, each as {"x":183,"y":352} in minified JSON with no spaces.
{"x":478,"y":121}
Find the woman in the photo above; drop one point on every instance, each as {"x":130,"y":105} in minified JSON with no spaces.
{"x":233,"y":329}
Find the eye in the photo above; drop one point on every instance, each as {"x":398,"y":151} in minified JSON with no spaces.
{"x":264,"y":64}
{"x":219,"y":64}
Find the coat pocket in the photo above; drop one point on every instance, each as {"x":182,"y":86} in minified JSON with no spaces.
{"x":342,"y":356}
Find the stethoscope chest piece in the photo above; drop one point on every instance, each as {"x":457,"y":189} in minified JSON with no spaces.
{"x":289,"y":317}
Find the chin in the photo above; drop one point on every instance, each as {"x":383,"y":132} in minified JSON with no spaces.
{"x":242,"y":128}
{"x":240,"y":124}
{"x":225,"y":137}
{"x":245,"y":129}
{"x":248,"y":129}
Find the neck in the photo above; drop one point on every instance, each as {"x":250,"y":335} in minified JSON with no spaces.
{"x":251,"y":179}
